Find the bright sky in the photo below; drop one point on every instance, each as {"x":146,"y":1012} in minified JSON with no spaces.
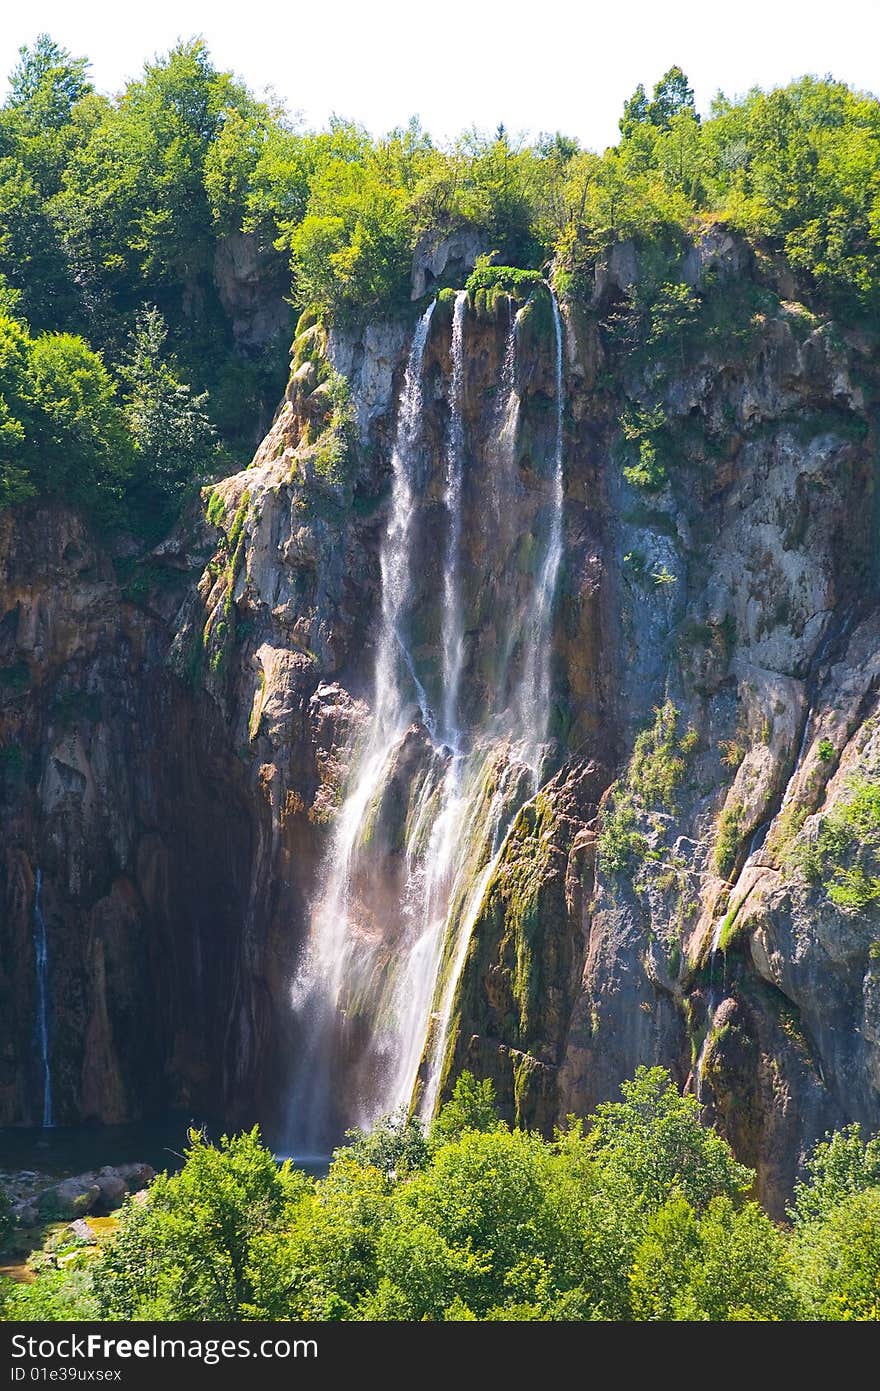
{"x":567,"y":65}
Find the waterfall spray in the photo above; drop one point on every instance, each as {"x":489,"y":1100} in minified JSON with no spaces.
{"x":453,"y":616}
{"x":534,"y":693}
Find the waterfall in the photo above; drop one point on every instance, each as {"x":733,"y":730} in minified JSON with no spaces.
{"x":430,"y":803}
{"x":798,"y":763}
{"x":534,"y":693}
{"x":41,"y":967}
{"x":334,"y":969}
{"x":453,"y":616}
{"x":532,"y":700}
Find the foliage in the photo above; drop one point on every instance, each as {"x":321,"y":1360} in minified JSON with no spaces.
{"x":844,"y":855}
{"x":61,"y":422}
{"x":621,"y":843}
{"x":186,"y":1252}
{"x":656,"y":768}
{"x":728,"y":838}
{"x":658,"y":762}
{"x":638,"y":1214}
{"x":644,"y":431}
{"x":838,"y":1260}
{"x":495,"y":279}
{"x":175,"y":445}
{"x":726,"y":1264}
{"x":57,"y":1296}
{"x":654,"y":1143}
{"x":470,"y":1107}
{"x":115,"y":210}
{"x":395,"y":1145}
{"x":841,"y":1164}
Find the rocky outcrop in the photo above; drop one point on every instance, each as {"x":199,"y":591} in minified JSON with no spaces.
{"x":99,"y":1191}
{"x":251,"y":285}
{"x":176,"y":733}
{"x":120,"y":787}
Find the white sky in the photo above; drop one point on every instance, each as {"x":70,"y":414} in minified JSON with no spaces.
{"x":567,"y":66}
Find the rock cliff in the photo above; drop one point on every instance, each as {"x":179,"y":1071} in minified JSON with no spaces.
{"x":694,"y":884}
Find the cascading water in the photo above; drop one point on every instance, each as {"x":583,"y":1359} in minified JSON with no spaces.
{"x":432,"y":795}
{"x":41,"y":967}
{"x":453,"y":614}
{"x":534,"y":693}
{"x":336,"y":968}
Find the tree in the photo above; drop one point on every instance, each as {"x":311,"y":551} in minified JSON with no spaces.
{"x":31,"y":256}
{"x":324,"y":1261}
{"x":80,"y":448}
{"x":175,"y":443}
{"x":46,"y":83}
{"x":654,"y":1141}
{"x":15,"y":408}
{"x":672,"y":96}
{"x":840,"y":1165}
{"x":395,"y":1146}
{"x":838,"y":1259}
{"x":727,"y":1264}
{"x":470,"y":1107}
{"x":187,"y":1252}
{"x":635,"y":111}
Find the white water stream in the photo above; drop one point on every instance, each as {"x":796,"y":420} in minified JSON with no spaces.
{"x":431,"y":795}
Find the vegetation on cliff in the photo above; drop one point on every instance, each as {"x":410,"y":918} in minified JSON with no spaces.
{"x":122,"y":379}
{"x":642,"y":1215}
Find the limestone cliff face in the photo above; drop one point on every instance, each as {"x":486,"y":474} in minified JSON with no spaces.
{"x":668,"y":895}
{"x":118,"y":786}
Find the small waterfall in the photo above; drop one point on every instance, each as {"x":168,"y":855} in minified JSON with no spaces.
{"x":396,"y":554}
{"x":453,"y":615}
{"x":430,"y":803}
{"x":507,"y":427}
{"x":534,"y":693}
{"x":798,"y":763}
{"x":41,"y":967}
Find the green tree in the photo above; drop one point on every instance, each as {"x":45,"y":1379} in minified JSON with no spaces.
{"x":470,"y":1107}
{"x":654,"y":1140}
{"x":841,"y":1164}
{"x":635,"y":111}
{"x":188,"y":1251}
{"x":174,"y":441}
{"x":672,"y":96}
{"x":395,"y":1146}
{"x":324,"y":1262}
{"x":837,"y":1256}
{"x":46,"y":83}
{"x":15,"y":409}
{"x":80,"y":447}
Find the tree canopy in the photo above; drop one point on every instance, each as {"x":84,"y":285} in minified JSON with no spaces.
{"x":641,"y":1213}
{"x":115,"y":209}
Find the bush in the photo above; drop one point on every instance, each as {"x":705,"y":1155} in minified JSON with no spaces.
{"x":728,"y":839}
{"x":845,"y":855}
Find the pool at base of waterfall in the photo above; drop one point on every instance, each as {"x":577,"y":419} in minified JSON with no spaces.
{"x":67,"y":1150}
